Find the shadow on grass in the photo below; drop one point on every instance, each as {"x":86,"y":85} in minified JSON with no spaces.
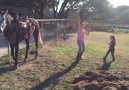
{"x":25,"y":62}
{"x":10,"y":67}
{"x":55,"y":78}
{"x":106,"y":66}
{"x":7,"y":69}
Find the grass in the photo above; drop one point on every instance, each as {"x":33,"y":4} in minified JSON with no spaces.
{"x":56,"y":57}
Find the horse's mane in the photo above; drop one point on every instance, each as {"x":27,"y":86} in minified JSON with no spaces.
{"x":9,"y":18}
{"x":34,"y":22}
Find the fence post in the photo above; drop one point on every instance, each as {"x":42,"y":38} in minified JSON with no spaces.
{"x":65,"y":29}
{"x":56,"y":31}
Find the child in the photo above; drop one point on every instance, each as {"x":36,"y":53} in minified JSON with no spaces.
{"x":81,"y":39}
{"x":111,"y":49}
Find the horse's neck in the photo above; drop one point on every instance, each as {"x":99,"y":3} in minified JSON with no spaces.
{"x":7,"y":20}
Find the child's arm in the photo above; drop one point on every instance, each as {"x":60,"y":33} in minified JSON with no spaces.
{"x":108,"y":43}
{"x":78,"y":26}
{"x":78,"y":23}
{"x":87,"y":32}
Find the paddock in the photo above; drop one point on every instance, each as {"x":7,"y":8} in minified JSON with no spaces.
{"x":56,"y":59}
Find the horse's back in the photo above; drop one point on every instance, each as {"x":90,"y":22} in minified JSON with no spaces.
{"x":34,"y":22}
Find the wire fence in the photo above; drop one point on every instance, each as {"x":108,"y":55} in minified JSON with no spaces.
{"x":52,"y":29}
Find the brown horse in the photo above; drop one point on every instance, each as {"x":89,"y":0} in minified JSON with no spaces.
{"x":16,"y":31}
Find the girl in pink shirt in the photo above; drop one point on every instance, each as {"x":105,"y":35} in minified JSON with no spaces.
{"x":81,"y":39}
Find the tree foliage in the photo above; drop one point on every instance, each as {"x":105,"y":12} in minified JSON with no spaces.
{"x":122,"y":14}
{"x":61,"y":8}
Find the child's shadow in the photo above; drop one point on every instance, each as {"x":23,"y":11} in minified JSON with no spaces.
{"x":106,"y":66}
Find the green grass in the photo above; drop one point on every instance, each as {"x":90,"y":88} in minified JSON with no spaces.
{"x":56,"y":57}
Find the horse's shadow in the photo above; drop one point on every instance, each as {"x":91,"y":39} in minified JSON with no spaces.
{"x":55,"y":78}
{"x":32,"y":52}
{"x":7,"y":69}
{"x":11,"y":67}
{"x":106,"y":66}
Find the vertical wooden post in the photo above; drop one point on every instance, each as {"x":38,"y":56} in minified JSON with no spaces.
{"x":65,"y":23}
{"x":56,"y":31}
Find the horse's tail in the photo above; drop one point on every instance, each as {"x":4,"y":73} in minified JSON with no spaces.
{"x":38,"y":27}
{"x":40,"y":39}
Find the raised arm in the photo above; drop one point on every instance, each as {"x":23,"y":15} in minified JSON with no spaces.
{"x":78,"y":24}
{"x":87,"y":32}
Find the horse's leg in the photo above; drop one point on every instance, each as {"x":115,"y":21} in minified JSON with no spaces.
{"x":16,"y":53}
{"x":36,"y":34}
{"x":12,"y":51}
{"x":27,"y":48}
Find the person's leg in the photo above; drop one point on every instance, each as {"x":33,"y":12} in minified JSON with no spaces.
{"x":82,"y":48}
{"x":112,"y":53}
{"x":79,"y":49}
{"x":106,"y":54}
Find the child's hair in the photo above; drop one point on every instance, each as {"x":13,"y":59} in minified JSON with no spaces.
{"x":114,"y":39}
{"x":81,"y":21}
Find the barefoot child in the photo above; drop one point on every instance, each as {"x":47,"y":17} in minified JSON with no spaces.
{"x":111,"y":49}
{"x":81,"y":39}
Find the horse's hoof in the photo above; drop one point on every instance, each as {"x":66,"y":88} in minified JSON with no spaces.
{"x":15,"y":67}
{"x":35,"y":58}
{"x":10,"y":63}
{"x":24,"y":60}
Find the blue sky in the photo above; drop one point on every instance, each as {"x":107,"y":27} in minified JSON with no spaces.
{"x":116,"y":3}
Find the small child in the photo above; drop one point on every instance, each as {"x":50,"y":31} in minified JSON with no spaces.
{"x":111,"y":49}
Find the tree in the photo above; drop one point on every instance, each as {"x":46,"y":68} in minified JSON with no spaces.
{"x":85,"y":7}
{"x":36,"y":8}
{"x":61,"y":8}
{"x":122,"y":14}
{"x":124,"y":17}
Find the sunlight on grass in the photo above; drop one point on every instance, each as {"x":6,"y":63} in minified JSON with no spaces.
{"x":56,"y":57}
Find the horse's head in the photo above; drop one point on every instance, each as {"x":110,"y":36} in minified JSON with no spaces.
{"x":2,"y":21}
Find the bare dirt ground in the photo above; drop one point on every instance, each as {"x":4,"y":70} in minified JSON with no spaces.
{"x":98,"y":80}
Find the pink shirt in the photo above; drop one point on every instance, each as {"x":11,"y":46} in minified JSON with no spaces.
{"x":81,"y":33}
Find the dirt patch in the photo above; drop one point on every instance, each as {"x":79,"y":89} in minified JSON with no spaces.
{"x":98,"y":80}
{"x":60,"y":43}
{"x":68,"y":42}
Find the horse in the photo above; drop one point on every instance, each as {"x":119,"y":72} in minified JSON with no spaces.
{"x":15,"y":31}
